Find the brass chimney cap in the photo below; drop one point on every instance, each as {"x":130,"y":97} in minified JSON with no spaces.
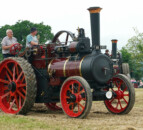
{"x":114,"y":40}
{"x":94,"y":9}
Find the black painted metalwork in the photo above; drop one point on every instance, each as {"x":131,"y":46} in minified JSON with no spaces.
{"x":114,"y":49}
{"x":95,"y":27}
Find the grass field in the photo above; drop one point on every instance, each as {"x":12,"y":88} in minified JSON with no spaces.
{"x":98,"y":119}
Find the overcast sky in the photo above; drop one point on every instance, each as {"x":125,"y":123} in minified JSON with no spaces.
{"x":118,"y":17}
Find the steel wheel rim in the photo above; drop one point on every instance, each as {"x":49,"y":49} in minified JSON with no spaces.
{"x":119,"y":103}
{"x":73,"y":108}
{"x":12,"y":87}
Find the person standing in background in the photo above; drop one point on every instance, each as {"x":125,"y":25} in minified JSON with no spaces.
{"x":7,"y":42}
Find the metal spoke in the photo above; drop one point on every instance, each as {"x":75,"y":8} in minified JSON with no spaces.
{"x":126,"y":95}
{"x":83,"y":99}
{"x":111,"y":100}
{"x":19,"y":101}
{"x":20,"y":94}
{"x":12,"y":104}
{"x":9,"y":99}
{"x":4,"y":81}
{"x":117,"y":104}
{"x":16,"y":101}
{"x":71,"y":104}
{"x":125,"y":100}
{"x":80,"y":105}
{"x":79,"y":88}
{"x":19,"y":76}
{"x":120,"y":85}
{"x":125,"y":89}
{"x":14,"y":73}
{"x":8,"y":76}
{"x":17,"y":72}
{"x":81,"y":92}
{"x":22,"y":85}
{"x":5,"y":95}
{"x":23,"y":79}
{"x":23,"y":90}
{"x":5,"y":88}
{"x":116,"y":84}
{"x":120,"y":104}
{"x":9,"y":71}
{"x":70,"y":90}
{"x":67,"y":97}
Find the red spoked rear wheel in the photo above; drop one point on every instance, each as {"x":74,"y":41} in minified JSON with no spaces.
{"x":76,"y":97}
{"x":53,"y":106}
{"x":124,"y":95}
{"x":14,"y":86}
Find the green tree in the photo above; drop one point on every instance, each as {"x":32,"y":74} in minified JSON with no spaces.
{"x":126,"y":57}
{"x":135,"y":66}
{"x":135,"y":46}
{"x":22,"y":28}
{"x":133,"y":54}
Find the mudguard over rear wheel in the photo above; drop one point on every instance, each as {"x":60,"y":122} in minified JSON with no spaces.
{"x":124,"y":95}
{"x":17,"y":86}
{"x":76,"y":97}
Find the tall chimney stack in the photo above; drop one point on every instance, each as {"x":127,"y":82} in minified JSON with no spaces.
{"x":114,"y":48}
{"x":95,"y":26}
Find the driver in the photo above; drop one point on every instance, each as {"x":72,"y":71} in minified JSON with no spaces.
{"x":7,"y":42}
{"x":107,"y":53}
{"x":31,"y":39}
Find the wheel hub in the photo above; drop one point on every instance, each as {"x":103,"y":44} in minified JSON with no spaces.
{"x":78,"y":98}
{"x":12,"y":86}
{"x":72,"y":98}
{"x":119,"y":94}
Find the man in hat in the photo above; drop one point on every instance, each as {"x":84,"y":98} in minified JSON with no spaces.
{"x":31,"y":39}
{"x":107,"y":53}
{"x":7,"y":42}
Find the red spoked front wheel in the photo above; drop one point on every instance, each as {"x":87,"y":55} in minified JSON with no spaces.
{"x":15,"y":95}
{"x":53,"y":106}
{"x":76,"y":97}
{"x":124,"y":95}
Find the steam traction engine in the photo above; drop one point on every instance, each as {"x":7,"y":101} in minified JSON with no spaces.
{"x":74,"y":74}
{"x":118,"y":65}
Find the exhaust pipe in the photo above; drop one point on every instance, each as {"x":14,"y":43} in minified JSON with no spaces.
{"x":114,"y":49}
{"x":95,"y":27}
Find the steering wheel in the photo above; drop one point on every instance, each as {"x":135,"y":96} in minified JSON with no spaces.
{"x":15,"y":48}
{"x":56,"y":37}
